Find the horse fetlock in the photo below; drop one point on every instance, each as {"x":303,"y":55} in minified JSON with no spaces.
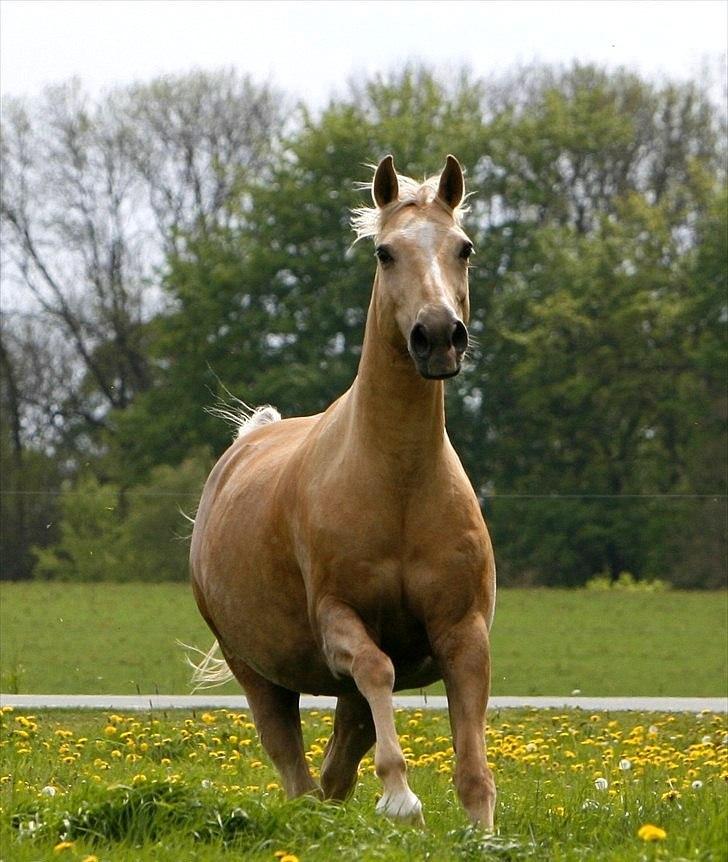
{"x":401,"y":805}
{"x":476,"y":790}
{"x":337,"y":784}
{"x":391,"y":768}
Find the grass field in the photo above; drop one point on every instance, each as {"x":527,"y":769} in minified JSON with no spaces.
{"x":118,"y":788}
{"x":121,"y":638}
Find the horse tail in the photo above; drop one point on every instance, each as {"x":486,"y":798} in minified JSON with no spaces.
{"x":209,"y":671}
{"x":242,"y":417}
{"x":260,"y":416}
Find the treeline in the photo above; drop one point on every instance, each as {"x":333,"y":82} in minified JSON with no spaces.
{"x":178,"y":240}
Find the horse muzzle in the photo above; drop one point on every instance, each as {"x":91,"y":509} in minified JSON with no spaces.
{"x":437,"y":343}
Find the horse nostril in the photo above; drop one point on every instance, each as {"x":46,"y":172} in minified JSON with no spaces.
{"x":460,"y":337}
{"x":419,"y":342}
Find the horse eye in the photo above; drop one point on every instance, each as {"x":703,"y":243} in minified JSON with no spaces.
{"x":383,"y":254}
{"x":466,"y":250}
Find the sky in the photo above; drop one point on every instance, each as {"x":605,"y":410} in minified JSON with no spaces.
{"x":311,"y":48}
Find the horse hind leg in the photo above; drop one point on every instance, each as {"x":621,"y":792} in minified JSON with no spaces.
{"x":278,"y":721}
{"x":353,"y":736}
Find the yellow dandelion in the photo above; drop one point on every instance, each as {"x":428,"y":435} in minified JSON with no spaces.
{"x":90,"y":858}
{"x":63,"y":846}
{"x":110,"y":730}
{"x":649,"y":832}
{"x":208,"y":718}
{"x":669,"y":795}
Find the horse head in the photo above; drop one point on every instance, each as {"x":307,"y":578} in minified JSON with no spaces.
{"x":421,"y":289}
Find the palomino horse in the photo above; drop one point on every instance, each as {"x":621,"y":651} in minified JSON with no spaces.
{"x":345,"y":553}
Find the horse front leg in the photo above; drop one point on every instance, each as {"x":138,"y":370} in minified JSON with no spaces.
{"x":463,"y":653}
{"x":350,"y":650}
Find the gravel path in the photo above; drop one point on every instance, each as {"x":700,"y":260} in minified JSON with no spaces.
{"x":212,"y":701}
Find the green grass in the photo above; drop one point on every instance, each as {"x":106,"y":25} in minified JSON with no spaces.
{"x":196,"y":787}
{"x":120,"y":639}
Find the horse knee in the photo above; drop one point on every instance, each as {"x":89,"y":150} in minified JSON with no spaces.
{"x":372,"y":671}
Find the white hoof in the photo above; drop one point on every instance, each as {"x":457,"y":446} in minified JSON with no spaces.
{"x":404,"y":805}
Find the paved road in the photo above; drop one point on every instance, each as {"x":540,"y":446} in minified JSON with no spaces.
{"x":212,"y":701}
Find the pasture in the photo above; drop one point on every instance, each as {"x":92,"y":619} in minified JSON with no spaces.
{"x":572,"y":786}
{"x":121,"y":638}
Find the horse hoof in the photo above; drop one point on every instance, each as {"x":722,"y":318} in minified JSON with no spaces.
{"x":404,"y":806}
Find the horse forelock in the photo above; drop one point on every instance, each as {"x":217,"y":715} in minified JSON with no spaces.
{"x":370,"y":221}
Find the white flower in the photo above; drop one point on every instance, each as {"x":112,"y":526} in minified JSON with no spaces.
{"x":707,"y":740}
{"x":696,"y":785}
{"x":531,"y":746}
{"x":49,"y":790}
{"x":589,"y":805}
{"x":601,"y":784}
{"x":206,"y":783}
{"x":653,"y":730}
{"x":576,"y":691}
{"x":625,"y":764}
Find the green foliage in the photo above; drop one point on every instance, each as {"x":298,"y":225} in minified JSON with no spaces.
{"x":625,"y":582}
{"x":89,"y":547}
{"x":137,"y":535}
{"x":157,"y":526}
{"x":28,"y":512}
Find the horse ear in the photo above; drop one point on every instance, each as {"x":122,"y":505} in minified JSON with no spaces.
{"x":385,"y":187}
{"x":452,"y":185}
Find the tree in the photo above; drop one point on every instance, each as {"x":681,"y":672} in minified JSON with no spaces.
{"x":30,"y":477}
{"x":107,"y":534}
{"x":598,"y":294}
{"x":95,"y":193}
{"x":273,"y":308}
{"x":198,"y":141}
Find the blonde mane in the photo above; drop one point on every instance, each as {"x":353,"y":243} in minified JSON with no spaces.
{"x":369,"y":221}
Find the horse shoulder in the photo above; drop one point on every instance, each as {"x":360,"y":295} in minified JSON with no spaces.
{"x":452,"y":568}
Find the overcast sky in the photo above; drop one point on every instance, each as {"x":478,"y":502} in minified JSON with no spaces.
{"x":311,"y":47}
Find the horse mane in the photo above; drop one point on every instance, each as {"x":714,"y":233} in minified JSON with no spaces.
{"x":369,"y":221}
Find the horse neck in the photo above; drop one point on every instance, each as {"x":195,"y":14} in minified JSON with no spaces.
{"x":394,"y":408}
